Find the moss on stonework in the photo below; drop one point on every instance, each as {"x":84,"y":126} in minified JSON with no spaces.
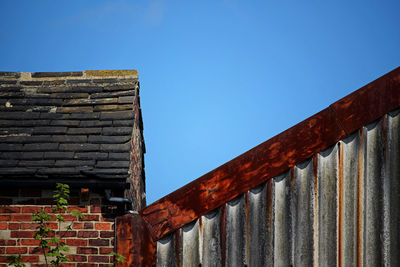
{"x":112,"y":73}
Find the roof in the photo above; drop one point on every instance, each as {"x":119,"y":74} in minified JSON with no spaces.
{"x":274,"y":156}
{"x":67,"y":124}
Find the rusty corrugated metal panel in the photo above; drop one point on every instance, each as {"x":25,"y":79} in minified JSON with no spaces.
{"x":134,"y":242}
{"x":339,"y":208}
{"x":274,"y":156}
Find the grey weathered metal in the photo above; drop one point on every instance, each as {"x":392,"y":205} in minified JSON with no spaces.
{"x":339,"y":208}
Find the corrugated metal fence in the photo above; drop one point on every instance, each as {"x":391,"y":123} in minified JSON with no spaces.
{"x":339,"y":208}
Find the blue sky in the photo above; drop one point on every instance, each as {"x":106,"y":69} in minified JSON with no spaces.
{"x":217,"y":77}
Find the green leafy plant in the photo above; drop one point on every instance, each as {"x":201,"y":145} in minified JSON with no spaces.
{"x":51,"y":244}
{"x":118,"y":258}
{"x":16,"y":260}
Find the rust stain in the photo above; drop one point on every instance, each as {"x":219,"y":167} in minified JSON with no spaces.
{"x":273,"y":156}
{"x":340,"y":205}
{"x":178,"y":245}
{"x":138,"y":249}
{"x":222,"y":234}
{"x":360,"y":197}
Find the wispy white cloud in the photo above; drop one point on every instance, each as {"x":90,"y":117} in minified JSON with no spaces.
{"x":155,"y":12}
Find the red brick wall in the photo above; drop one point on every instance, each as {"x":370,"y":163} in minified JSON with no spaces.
{"x":91,"y":239}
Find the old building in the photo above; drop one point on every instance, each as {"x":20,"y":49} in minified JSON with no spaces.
{"x":83,"y":129}
{"x":325,"y":192}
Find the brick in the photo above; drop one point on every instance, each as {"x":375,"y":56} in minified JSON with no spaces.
{"x":91,"y":155}
{"x":53,"y":116}
{"x":30,"y":259}
{"x":88,"y":225}
{"x":90,"y":218}
{"x":77,"y":258}
{"x":87,"y":131}
{"x":50,"y":130}
{"x":21,"y":234}
{"x":96,"y":139}
{"x":35,"y":250}
{"x":78,"y":81}
{"x":87,"y":265}
{"x":125,"y":99}
{"x":10,"y":147}
{"x":69,"y":95}
{"x":112,"y":164}
{"x":103,"y":226}
{"x":79,"y":208}
{"x":69,"y":123}
{"x":113,"y":94}
{"x":19,"y":115}
{"x":9,"y":74}
{"x":8,"y":82}
{"x":113,"y":80}
{"x":3,"y":251}
{"x":95,"y":209}
{"x":120,"y":87}
{"x":116,"y":147}
{"x":27,"y":123}
{"x":105,"y":259}
{"x":8,"y":163}
{"x":3,"y":226}
{"x":36,"y":101}
{"x":98,"y":242}
{"x":107,"y":234}
{"x":119,"y":156}
{"x":32,"y":155}
{"x":17,"y":250}
{"x":31,"y":82}
{"x":85,"y":116}
{"x":57,"y":74}
{"x":86,"y":89}
{"x":77,"y":242}
{"x":13,"y":226}
{"x":30,"y":242}
{"x":30,"y":209}
{"x":36,"y":163}
{"x":58,"y":155}
{"x":79,"y":147}
{"x":87,"y":250}
{"x":112,"y":107}
{"x":31,"y":226}
{"x":65,"y":234}
{"x":117,"y":115}
{"x":85,"y":101}
{"x":10,"y":209}
{"x":17,"y":171}
{"x":5,"y":217}
{"x":88,"y":234}
{"x":11,"y":243}
{"x":94,"y":123}
{"x":106,"y":250}
{"x":67,"y":163}
{"x":77,"y":226}
{"x":74,"y":109}
{"x":54,"y":82}
{"x":122,"y":123}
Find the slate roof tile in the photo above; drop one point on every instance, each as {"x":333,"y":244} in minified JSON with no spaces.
{"x":69,"y":124}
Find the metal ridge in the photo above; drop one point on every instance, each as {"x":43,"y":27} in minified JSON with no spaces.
{"x":274,"y":156}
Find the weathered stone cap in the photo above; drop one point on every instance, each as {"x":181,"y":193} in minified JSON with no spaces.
{"x":71,"y":124}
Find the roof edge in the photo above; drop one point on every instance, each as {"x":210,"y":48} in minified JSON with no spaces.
{"x":87,"y":74}
{"x":274,"y":156}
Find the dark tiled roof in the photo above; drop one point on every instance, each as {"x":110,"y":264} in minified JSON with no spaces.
{"x":69,"y":124}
